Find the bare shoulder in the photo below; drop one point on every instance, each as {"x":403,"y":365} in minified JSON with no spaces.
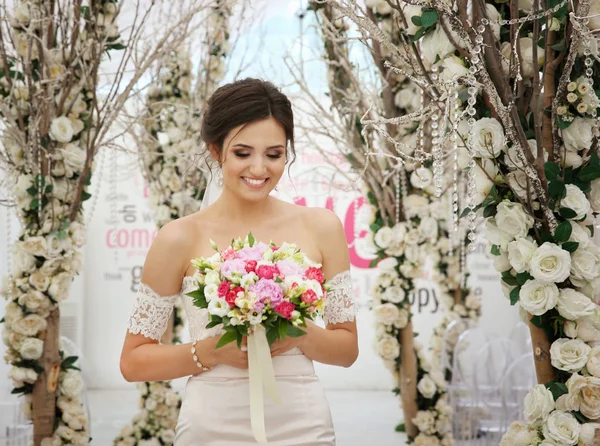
{"x":167,"y":259}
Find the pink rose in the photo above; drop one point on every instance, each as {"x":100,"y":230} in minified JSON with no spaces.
{"x":285,"y":309}
{"x":228,"y":254}
{"x":233,"y":295}
{"x":254,"y":253}
{"x":259,"y":306}
{"x":223,"y":289}
{"x":309,"y":297}
{"x":268,"y":289}
{"x":267,"y":271}
{"x":314,"y":273}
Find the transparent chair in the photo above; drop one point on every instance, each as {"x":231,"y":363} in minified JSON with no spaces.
{"x":521,"y":338}
{"x":519,"y":378}
{"x":449,"y":339}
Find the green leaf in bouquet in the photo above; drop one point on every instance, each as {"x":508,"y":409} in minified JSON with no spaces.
{"x":559,"y":46}
{"x":591,"y":228}
{"x":523,"y":277}
{"x":239,"y":338}
{"x":243,"y":330}
{"x":374,"y":262}
{"x":585,"y":186}
{"x":495,"y":251}
{"x":557,"y":189}
{"x":416,"y":19}
{"x":251,"y":240}
{"x":546,"y":237}
{"x":214,"y":321}
{"x":591,"y":171}
{"x":214,"y":245}
{"x":563,"y":231}
{"x":429,"y":17}
{"x":374,"y":227}
{"x":420,"y":33}
{"x":490,"y":210}
{"x":552,"y":170}
{"x":509,"y":279}
{"x":568,"y":175}
{"x":570,"y":246}
{"x":283,"y":327}
{"x":581,"y":417}
{"x":562,"y":124}
{"x":227,"y":338}
{"x":567,"y":213}
{"x":69,"y":363}
{"x":272,"y":335}
{"x":557,"y":389}
{"x":514,"y":295}
{"x":294,"y":332}
{"x":198,"y":297}
{"x":537,"y":321}
{"x":401,"y":427}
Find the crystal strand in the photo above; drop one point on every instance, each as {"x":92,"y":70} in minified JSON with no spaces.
{"x":113,"y":202}
{"x":403,"y":189}
{"x":419,"y":153}
{"x":454,"y":201}
{"x":398,"y":195}
{"x":98,"y":178}
{"x":589,"y":73}
{"x":463,"y":263}
{"x":9,"y":251}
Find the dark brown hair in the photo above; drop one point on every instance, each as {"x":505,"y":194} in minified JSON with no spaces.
{"x":242,"y":102}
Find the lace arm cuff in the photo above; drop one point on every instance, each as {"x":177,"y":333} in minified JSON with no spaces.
{"x":151,"y":313}
{"x":340,"y":305}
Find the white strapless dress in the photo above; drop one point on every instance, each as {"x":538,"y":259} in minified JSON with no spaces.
{"x":216,"y":406}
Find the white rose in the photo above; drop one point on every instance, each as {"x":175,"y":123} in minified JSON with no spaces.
{"x":428,"y":229}
{"x":388,"y":348}
{"x":59,"y":286}
{"x":573,"y":305}
{"x":585,"y":266}
{"x":425,"y":421}
{"x":580,"y":234}
{"x":595,"y":195}
{"x":588,"y":328}
{"x":61,"y":129}
{"x":408,"y":99}
{"x":562,"y":427}
{"x":539,"y":402}
{"x":519,"y":254}
{"x":488,"y":138}
{"x":587,"y":435}
{"x":427,"y":387}
{"x":550,"y":263}
{"x":453,"y":67}
{"x":513,"y":219}
{"x":168,"y":436}
{"x":212,"y":277}
{"x":394,"y":294}
{"x":569,"y":355}
{"x":537,"y":297}
{"x":590,"y":398}
{"x":518,"y":182}
{"x":388,"y":264}
{"x":34,"y":300}
{"x":35,"y":245}
{"x":579,"y":134}
{"x":496,"y":235}
{"x":386,"y":313}
{"x":501,"y":262}
{"x":30,"y":325}
{"x":71,"y":384}
{"x":384,"y":237}
{"x":593,"y":364}
{"x":32,"y":348}
{"x":576,"y":201}
{"x":520,"y":434}
{"x":436,"y":44}
{"x":211,"y":291}
{"x":23,"y":375}
{"x":483,"y":184}
{"x":39,"y":280}
{"x":421,"y":178}
{"x":572,"y":159}
{"x":528,"y":65}
{"x":416,"y":205}
{"x":22,"y":261}
{"x":411,"y":11}
{"x":77,"y":231}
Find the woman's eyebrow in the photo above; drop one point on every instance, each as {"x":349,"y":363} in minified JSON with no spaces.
{"x":246,"y":146}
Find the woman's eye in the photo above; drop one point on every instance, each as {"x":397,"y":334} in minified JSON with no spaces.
{"x":242,"y":155}
{"x":275,"y":157}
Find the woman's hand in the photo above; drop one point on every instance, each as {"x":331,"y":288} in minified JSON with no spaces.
{"x":280,"y":347}
{"x":229,"y":354}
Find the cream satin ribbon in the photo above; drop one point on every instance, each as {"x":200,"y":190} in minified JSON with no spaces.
{"x":261,"y":377}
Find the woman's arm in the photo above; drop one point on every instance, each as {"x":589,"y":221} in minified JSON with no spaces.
{"x":143,"y":358}
{"x":337,"y":344}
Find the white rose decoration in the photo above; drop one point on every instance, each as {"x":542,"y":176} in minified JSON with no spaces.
{"x":436,"y":44}
{"x":576,"y":201}
{"x":388,"y":264}
{"x":384,"y":237}
{"x":550,"y":263}
{"x":421,"y":178}
{"x":388,"y":348}
{"x":573,"y":305}
{"x":394,"y":294}
{"x":590,"y":398}
{"x":530,"y":67}
{"x":72,"y":384}
{"x":539,"y":402}
{"x":579,"y":134}
{"x":580,"y":234}
{"x":520,"y":434}
{"x":416,"y":205}
{"x":585,"y":266}
{"x":22,"y":261}
{"x":513,"y":219}
{"x":425,"y":421}
{"x":569,"y":355}
{"x":32,"y":348}
{"x":61,"y":129}
{"x":30,"y":325}
{"x":501,"y":262}
{"x":427,"y":387}
{"x":537,"y":297}
{"x":587,"y":435}
{"x":428,"y":229}
{"x":59,"y":286}
{"x":497,"y":236}
{"x":562,"y":427}
{"x":488,"y":138}
{"x":520,"y":253}
{"x":386,"y":314}
{"x":588,"y":328}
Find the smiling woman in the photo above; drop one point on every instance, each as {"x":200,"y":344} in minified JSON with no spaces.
{"x":248,"y":131}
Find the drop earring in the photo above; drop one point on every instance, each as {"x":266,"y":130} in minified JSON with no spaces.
{"x":219,"y":175}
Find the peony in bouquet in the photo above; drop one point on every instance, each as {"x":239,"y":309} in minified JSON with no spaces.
{"x":263,"y":292}
{"x":251,"y":283}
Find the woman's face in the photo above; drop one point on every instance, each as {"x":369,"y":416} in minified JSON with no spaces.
{"x":254,"y":158}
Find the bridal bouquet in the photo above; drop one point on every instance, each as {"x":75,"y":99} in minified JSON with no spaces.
{"x":263,"y":292}
{"x":251,"y":283}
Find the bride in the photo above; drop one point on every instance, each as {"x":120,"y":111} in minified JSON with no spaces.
{"x":249,"y":130}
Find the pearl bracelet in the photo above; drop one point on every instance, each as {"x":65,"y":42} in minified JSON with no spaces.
{"x":195,"y":357}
